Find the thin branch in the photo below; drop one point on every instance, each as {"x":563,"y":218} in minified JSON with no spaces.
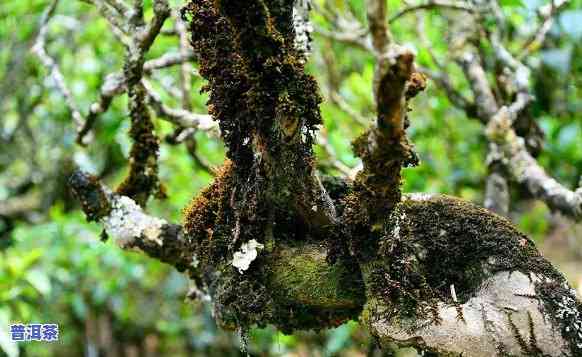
{"x":323,"y":141}
{"x":484,"y":98}
{"x":120,"y":6}
{"x":161,"y":13}
{"x":547,"y":15}
{"x":497,"y":190}
{"x":433,"y":4}
{"x":455,"y":97}
{"x":338,"y":100}
{"x":181,"y":117}
{"x":117,"y":23}
{"x":54,"y":71}
{"x":357,"y":38}
{"x":376,"y":13}
{"x":129,"y":225}
{"x":525,"y":169}
{"x":115,"y":84}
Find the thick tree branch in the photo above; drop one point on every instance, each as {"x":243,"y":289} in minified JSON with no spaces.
{"x":124,"y":220}
{"x":384,"y":148}
{"x":463,"y":288}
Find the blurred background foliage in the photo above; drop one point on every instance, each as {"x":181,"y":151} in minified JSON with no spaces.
{"x":53,"y":268}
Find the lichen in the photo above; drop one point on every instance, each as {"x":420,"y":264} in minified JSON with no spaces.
{"x":127,"y":221}
{"x":248,"y":252}
{"x":564,"y":309}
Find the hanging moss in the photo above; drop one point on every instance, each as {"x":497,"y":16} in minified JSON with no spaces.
{"x":205,"y":219}
{"x":142,"y":180}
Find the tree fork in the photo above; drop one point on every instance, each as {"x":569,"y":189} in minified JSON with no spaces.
{"x":432,"y":272}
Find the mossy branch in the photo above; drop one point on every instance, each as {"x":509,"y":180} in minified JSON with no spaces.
{"x":411,"y":267}
{"x":446,"y":277}
{"x":384,"y":148}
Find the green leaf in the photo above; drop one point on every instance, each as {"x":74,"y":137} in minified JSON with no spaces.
{"x":40,"y":281}
{"x":511,"y":3}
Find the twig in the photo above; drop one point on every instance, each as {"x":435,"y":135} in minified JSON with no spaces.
{"x":547,"y":14}
{"x":376,"y":13}
{"x":356,"y":37}
{"x":54,"y":71}
{"x":484,"y":98}
{"x":161,"y":13}
{"x":179,"y":117}
{"x":115,"y":84}
{"x":432,"y":4}
{"x":335,"y":162}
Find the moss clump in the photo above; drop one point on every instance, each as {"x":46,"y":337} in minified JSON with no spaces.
{"x":302,"y":274}
{"x":93,"y":199}
{"x":291,"y":288}
{"x":142,"y":179}
{"x":267,"y":109}
{"x":432,"y":244}
{"x":385,"y":149}
{"x":205,"y":220}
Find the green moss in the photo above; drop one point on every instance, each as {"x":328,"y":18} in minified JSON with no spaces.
{"x":302,"y":274}
{"x":205,"y":220}
{"x":142,"y":180}
{"x":267,"y":109}
{"x":431,"y":244}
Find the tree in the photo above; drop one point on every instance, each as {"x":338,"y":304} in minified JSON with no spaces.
{"x":271,"y":241}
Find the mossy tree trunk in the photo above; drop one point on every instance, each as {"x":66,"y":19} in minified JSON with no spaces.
{"x":431,"y":272}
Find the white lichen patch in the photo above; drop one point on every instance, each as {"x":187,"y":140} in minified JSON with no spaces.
{"x":303,"y":28}
{"x":568,"y":314}
{"x":399,"y":218}
{"x":195,"y":262}
{"x":247,"y":253}
{"x":127,"y":221}
{"x":418,"y":196}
